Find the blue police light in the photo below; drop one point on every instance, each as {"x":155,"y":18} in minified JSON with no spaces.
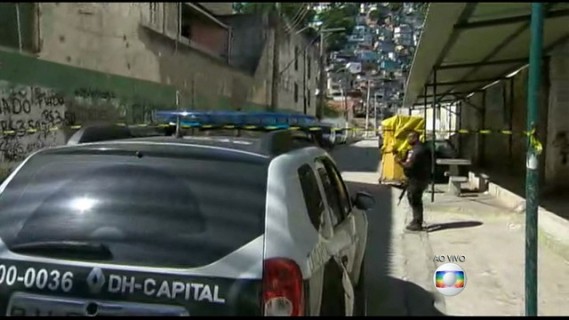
{"x":197,"y":118}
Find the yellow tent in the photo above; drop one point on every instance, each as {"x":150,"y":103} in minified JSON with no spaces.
{"x":395,"y":131}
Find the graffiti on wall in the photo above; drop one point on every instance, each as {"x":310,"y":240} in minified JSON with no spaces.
{"x":32,"y":118}
{"x":27,"y":116}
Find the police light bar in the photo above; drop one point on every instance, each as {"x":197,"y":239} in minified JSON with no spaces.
{"x":201,"y":118}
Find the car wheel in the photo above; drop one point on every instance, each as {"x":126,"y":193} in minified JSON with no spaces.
{"x":360,"y":299}
{"x":333,"y":300}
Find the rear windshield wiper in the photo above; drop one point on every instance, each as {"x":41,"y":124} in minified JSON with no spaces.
{"x":75,"y":249}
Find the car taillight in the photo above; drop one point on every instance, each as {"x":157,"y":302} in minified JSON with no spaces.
{"x":283,"y":293}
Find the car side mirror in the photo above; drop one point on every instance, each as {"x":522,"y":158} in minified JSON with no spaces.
{"x":364,"y":201}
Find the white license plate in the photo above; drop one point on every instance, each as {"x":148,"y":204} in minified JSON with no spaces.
{"x":24,"y":304}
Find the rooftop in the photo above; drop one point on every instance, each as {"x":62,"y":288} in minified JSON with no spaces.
{"x":467,"y":47}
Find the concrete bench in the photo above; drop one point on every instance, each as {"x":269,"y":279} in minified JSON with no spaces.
{"x":483,"y":180}
{"x":454,"y":184}
{"x":479,"y":181}
{"x":453,"y":165}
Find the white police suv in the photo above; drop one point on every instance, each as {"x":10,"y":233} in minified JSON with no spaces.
{"x":258,"y":224}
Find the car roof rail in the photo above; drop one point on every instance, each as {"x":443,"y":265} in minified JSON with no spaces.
{"x":107,"y":131}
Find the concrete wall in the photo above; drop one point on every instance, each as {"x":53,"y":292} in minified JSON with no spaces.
{"x":557,"y":148}
{"x":115,"y":62}
{"x":27,"y":117}
{"x":250,"y":41}
{"x":212,"y":37}
{"x":121,"y":39}
{"x":292,"y":74}
{"x":508,"y":153}
{"x":218,"y":8}
{"x":41,"y":101}
{"x":496,"y":117}
{"x":109,"y":62}
{"x":504,"y":106}
{"x":471,"y":119}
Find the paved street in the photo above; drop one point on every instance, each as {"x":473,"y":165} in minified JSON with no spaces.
{"x":400,"y":264}
{"x":391,"y":258}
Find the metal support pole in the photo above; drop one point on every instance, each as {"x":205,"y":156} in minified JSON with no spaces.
{"x":276,"y":58}
{"x":178,"y":120}
{"x":433,"y":160}
{"x":482,"y":137}
{"x":532,"y":172}
{"x":179,"y":26}
{"x":511,"y":119}
{"x":425,"y":115}
{"x":321,"y":97}
{"x":347,"y":84}
{"x":304,"y":96}
{"x":19,"y":28}
{"x":459,"y":126}
{"x":375,"y":114}
{"x":449,"y":118}
{"x":367,"y":105}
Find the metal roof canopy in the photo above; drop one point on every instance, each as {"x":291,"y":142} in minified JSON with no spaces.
{"x":472,"y":45}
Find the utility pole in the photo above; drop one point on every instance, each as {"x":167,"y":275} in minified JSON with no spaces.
{"x":374,"y":114}
{"x":367,"y":105}
{"x":347,"y":85}
{"x":276,"y":57}
{"x":178,"y":120}
{"x":533,"y":151}
{"x":322,"y":79}
{"x":304,"y":65}
{"x":434,"y":137}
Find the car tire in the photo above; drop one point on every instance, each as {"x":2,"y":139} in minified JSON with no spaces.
{"x":360,"y":293}
{"x":333,"y":300}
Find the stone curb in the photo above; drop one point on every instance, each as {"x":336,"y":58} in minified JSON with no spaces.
{"x":556,"y":229}
{"x":439,"y":301}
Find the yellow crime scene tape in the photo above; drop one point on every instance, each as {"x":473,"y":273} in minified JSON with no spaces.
{"x":533,"y":140}
{"x":205,"y":126}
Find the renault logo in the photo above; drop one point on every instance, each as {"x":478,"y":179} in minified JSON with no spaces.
{"x":96,"y":280}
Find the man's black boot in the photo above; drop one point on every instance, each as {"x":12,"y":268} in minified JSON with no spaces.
{"x":414,"y":227}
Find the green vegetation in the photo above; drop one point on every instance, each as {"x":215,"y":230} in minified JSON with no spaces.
{"x":422,"y":7}
{"x":301,"y":16}
{"x":329,"y":112}
{"x":339,"y":15}
{"x":374,"y":15}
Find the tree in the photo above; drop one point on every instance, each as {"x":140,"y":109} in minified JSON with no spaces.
{"x":422,"y":8}
{"x":339,"y":15}
{"x":374,"y":15}
{"x":395,"y":6}
{"x":238,"y":7}
{"x":299,"y":15}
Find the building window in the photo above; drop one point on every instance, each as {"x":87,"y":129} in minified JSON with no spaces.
{"x":153,"y":13}
{"x":17,"y":26}
{"x":296,"y":58}
{"x":309,"y":68}
{"x":295,"y":92}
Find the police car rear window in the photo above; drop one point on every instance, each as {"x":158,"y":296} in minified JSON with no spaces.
{"x":151,"y":211}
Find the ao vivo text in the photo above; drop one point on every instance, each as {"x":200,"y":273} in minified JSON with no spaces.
{"x":449,"y":258}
